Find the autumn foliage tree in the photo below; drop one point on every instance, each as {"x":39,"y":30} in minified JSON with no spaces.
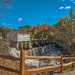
{"x":63,"y":31}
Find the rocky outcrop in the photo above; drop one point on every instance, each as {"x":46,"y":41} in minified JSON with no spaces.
{"x":41,"y":42}
{"x":4,"y":48}
{"x":48,"y":50}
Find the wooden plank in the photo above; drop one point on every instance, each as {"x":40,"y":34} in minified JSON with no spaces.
{"x":61,"y":62}
{"x":67,"y":64}
{"x":40,"y":69}
{"x":9,"y":69}
{"x":9,"y":57}
{"x":22,"y":62}
{"x":41,"y":57}
{"x":67,"y":58}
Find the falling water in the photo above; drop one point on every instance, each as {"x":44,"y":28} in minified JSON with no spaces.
{"x":48,"y":50}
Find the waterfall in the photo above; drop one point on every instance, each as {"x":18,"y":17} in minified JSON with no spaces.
{"x":48,"y":50}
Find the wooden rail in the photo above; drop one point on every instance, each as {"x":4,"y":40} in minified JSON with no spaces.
{"x":9,"y":57}
{"x":68,"y":64}
{"x":41,"y":57}
{"x":22,"y":58}
{"x":42,"y":68}
{"x":67,"y":58}
{"x":9,"y":69}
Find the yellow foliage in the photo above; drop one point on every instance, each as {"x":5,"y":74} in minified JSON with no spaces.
{"x":69,"y":43}
{"x":52,"y":34}
{"x":35,"y":31}
{"x":73,"y":40}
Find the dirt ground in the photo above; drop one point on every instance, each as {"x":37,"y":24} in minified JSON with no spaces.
{"x":15,"y":65}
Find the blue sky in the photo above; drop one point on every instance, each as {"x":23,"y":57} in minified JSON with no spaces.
{"x":33,"y":12}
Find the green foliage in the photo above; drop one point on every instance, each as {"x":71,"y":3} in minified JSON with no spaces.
{"x":25,"y":27}
{"x":4,"y":31}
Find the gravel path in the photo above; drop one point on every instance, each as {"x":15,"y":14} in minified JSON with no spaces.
{"x":69,"y":73}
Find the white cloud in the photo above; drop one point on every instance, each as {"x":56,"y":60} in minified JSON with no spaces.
{"x":74,"y":2}
{"x":61,"y":7}
{"x":6,"y":24}
{"x":20,"y":19}
{"x":68,"y":7}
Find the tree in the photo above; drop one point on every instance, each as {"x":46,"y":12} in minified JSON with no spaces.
{"x":4,"y":31}
{"x":5,"y":6}
{"x":65,"y":31}
{"x":71,"y":11}
{"x":72,"y":23}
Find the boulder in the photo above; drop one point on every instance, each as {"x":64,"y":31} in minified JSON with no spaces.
{"x":41,"y":42}
{"x":36,"y":44}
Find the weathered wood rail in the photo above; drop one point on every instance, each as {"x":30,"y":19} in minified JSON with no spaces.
{"x":22,"y":58}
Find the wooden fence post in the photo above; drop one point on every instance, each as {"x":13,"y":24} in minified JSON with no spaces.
{"x":61,"y":62}
{"x":22,"y":45}
{"x":22,"y":62}
{"x":72,"y":61}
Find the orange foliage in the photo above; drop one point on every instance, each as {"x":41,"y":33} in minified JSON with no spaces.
{"x":44,"y":26}
{"x":31,"y":29}
{"x":63,"y":24}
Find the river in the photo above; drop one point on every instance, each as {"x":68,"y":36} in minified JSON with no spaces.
{"x":48,"y":50}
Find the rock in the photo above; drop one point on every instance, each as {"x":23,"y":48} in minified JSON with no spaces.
{"x":41,"y":42}
{"x":46,"y":42}
{"x":4,"y":48}
{"x":36,"y":44}
{"x":38,"y":51}
{"x":29,"y":62}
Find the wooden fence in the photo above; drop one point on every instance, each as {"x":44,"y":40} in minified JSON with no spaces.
{"x":22,"y":58}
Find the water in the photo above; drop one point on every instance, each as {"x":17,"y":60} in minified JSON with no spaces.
{"x":48,"y":50}
{"x":53,"y":53}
